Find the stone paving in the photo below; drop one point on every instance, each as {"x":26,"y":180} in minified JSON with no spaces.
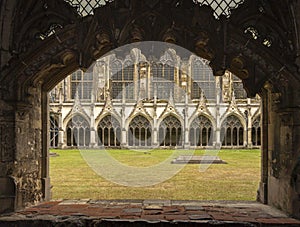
{"x":148,"y":212}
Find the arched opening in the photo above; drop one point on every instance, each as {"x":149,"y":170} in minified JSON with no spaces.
{"x":234,"y":129}
{"x":54,"y":131}
{"x":201,"y":132}
{"x":256,"y":132}
{"x":109,"y":132}
{"x":139,"y":133}
{"x":78,"y":132}
{"x":170,"y":132}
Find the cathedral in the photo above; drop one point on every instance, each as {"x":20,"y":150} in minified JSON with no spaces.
{"x":140,"y":102}
{"x":61,"y":86}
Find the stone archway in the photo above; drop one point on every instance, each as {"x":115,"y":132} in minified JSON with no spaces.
{"x":47,"y":41}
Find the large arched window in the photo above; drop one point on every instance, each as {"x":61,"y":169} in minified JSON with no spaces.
{"x":128,"y":73}
{"x":201,"y":132}
{"x":232,"y":132}
{"x":163,"y":79}
{"x":78,"y":132}
{"x":117,"y":79}
{"x":54,"y":131}
{"x":256,"y":132}
{"x":109,"y":132}
{"x":202,"y":80}
{"x":170,"y":132}
{"x":238,"y":88}
{"x":139,"y":133}
{"x":81,"y":83}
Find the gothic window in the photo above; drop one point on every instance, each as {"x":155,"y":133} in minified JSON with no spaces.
{"x":201,"y":132}
{"x":109,"y":132}
{"x":163,"y":79}
{"x":238,"y":88}
{"x":82,"y":84}
{"x":232,"y":132}
{"x":256,"y":132}
{"x":128,"y":72}
{"x":78,"y":132}
{"x":54,"y":95}
{"x":139,"y":133}
{"x":54,"y":131}
{"x":170,"y":132}
{"x":202,"y":80}
{"x":117,"y":79}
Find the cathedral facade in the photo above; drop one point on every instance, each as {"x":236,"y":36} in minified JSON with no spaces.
{"x":167,"y":101}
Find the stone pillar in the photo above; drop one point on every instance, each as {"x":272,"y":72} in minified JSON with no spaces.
{"x":249,"y":124}
{"x":263,"y":185}
{"x":61,"y":143}
{"x":217,"y":138}
{"x":93,"y":127}
{"x":186,"y":141}
{"x":8,"y":189}
{"x":45,"y":147}
{"x":124,"y":142}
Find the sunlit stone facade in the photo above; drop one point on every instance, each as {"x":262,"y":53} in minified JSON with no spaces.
{"x":135,"y":101}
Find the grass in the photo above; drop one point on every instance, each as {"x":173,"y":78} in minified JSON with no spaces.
{"x":72,"y":178}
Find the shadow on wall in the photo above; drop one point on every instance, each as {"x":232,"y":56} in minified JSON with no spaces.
{"x":7,"y":195}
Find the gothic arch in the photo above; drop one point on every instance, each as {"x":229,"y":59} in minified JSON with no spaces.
{"x":208,"y":116}
{"x":139,"y":132}
{"x":78,"y":131}
{"x":237,"y":115}
{"x":232,"y":131}
{"x":201,"y":131}
{"x":109,"y":131}
{"x":170,"y":131}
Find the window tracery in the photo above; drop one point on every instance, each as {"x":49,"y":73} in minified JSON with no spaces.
{"x":201,"y":132}
{"x":82,"y":84}
{"x":78,"y":132}
{"x":256,"y":132}
{"x":202,"y":80}
{"x":220,"y":6}
{"x":232,"y":132}
{"x":139,"y":133}
{"x":86,"y":7}
{"x":54,"y":131}
{"x":109,"y":132}
{"x":170,"y":131}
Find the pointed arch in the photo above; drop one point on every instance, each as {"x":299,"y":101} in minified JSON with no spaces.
{"x":232,"y":131}
{"x":201,"y":132}
{"x":109,"y":132}
{"x":139,"y":132}
{"x":170,"y":132}
{"x":256,"y":131}
{"x":78,"y":131}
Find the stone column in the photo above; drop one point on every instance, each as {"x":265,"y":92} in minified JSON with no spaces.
{"x":124,"y":142}
{"x":263,"y":185}
{"x":249,"y":126}
{"x":61,"y":143}
{"x":217,"y":139}
{"x":186,"y":141}
{"x":93,"y":127}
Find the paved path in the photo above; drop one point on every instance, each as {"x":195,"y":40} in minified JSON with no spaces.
{"x":149,"y":212}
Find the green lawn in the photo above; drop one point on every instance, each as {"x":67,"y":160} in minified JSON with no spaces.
{"x":72,"y":178}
